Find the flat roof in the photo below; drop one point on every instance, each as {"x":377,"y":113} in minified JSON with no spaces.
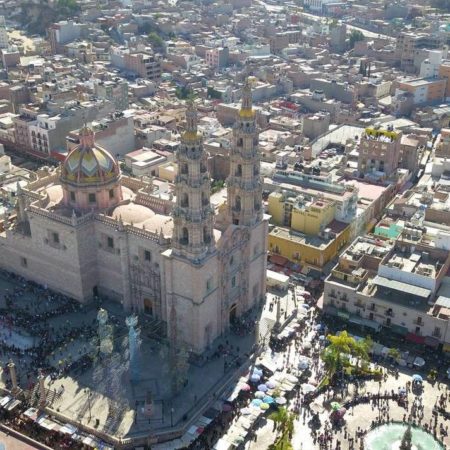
{"x":400,"y":286}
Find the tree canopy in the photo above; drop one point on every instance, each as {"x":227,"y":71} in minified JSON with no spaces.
{"x":341,"y":347}
{"x":355,"y":36}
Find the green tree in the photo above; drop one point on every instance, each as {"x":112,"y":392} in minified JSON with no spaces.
{"x":355,"y":36}
{"x":394,"y":353}
{"x":156,"y":40}
{"x":285,"y":425}
{"x":341,"y":347}
{"x":68,"y":5}
{"x":212,"y":93}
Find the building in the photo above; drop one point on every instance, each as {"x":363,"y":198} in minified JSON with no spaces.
{"x":145,"y":65}
{"x":424,"y":90}
{"x":62,"y":33}
{"x":379,"y":151}
{"x":217,"y":57}
{"x":3,"y":33}
{"x":116,"y":91}
{"x":395,"y":287}
{"x":86,"y":230}
{"x":317,"y":5}
{"x":306,"y":232}
{"x":412,"y":49}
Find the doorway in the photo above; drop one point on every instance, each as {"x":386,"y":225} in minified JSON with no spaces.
{"x":233,"y":313}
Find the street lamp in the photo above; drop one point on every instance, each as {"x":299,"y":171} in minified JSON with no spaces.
{"x":171,"y":417}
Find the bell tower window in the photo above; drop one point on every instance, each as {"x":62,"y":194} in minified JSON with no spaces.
{"x":237,"y":203}
{"x":184,"y":200}
{"x":72,"y":196}
{"x":184,"y":236}
{"x":239,"y":170}
{"x":184,"y":169}
{"x":92,"y":198}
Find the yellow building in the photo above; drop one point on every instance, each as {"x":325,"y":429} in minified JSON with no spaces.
{"x":310,"y":250}
{"x":301,"y":213}
{"x":168,"y":171}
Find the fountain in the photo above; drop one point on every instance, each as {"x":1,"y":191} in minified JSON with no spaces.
{"x":399,"y":436}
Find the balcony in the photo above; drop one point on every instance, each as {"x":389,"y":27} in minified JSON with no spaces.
{"x":344,"y":299}
{"x":372,"y":307}
{"x":418,"y":322}
{"x":437,"y":333}
{"x":332,"y":295}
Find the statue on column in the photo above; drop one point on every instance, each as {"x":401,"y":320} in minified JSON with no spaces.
{"x":134,"y":343}
{"x":406,"y":443}
{"x":105,"y":333}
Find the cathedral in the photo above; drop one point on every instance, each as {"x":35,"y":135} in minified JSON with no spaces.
{"x":86,"y":229}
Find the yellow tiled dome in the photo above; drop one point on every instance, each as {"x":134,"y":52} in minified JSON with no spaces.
{"x":89,"y":164}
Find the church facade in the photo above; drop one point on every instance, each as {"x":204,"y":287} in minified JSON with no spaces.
{"x":85,"y":230}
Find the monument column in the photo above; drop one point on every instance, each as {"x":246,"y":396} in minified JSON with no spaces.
{"x":42,"y":392}
{"x":13,"y":375}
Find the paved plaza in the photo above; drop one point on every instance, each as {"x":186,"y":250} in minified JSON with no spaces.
{"x":100,"y":394}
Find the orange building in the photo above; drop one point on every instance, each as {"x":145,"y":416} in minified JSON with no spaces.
{"x":424,"y":90}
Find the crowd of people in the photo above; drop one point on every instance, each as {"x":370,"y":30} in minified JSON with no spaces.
{"x":32,"y":339}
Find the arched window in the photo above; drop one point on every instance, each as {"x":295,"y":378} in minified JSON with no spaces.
{"x":204,"y":199}
{"x":184,"y":200}
{"x":257,"y":204}
{"x":255,"y":170}
{"x":184,"y":236}
{"x":239,"y":170}
{"x":237,"y":203}
{"x":240,"y":142}
{"x":184,"y":169}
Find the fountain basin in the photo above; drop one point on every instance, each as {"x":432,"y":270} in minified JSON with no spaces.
{"x":389,"y":436}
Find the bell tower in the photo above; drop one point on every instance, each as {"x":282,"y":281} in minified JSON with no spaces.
{"x":244,"y":181}
{"x":193,"y":215}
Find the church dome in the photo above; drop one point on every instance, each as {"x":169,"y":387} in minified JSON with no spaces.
{"x":89,"y":164}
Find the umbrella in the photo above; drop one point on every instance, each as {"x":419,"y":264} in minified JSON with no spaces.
{"x":271,"y":384}
{"x":246,"y":411}
{"x":256,"y":402}
{"x":280,"y":401}
{"x":263,"y":388}
{"x":268,"y":399}
{"x":257,"y":371}
{"x":291,"y":378}
{"x":322,"y":337}
{"x":316,"y":407}
{"x":259,"y":394}
{"x":306,"y":388}
{"x":245,"y":387}
{"x":401,"y":390}
{"x":255,"y":378}
{"x":341,"y":412}
{"x":417,"y":377}
{"x":303,"y":364}
{"x":264,"y":406}
{"x":335,"y":406}
{"x":307,"y":345}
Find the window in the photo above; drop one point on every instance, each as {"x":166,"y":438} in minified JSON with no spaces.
{"x":147,"y":255}
{"x":72,"y":196}
{"x":111,"y":193}
{"x":55,"y":238}
{"x":23,"y":262}
{"x":233,"y":282}
{"x":110,"y":242}
{"x":209,"y":284}
{"x":91,"y":198}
